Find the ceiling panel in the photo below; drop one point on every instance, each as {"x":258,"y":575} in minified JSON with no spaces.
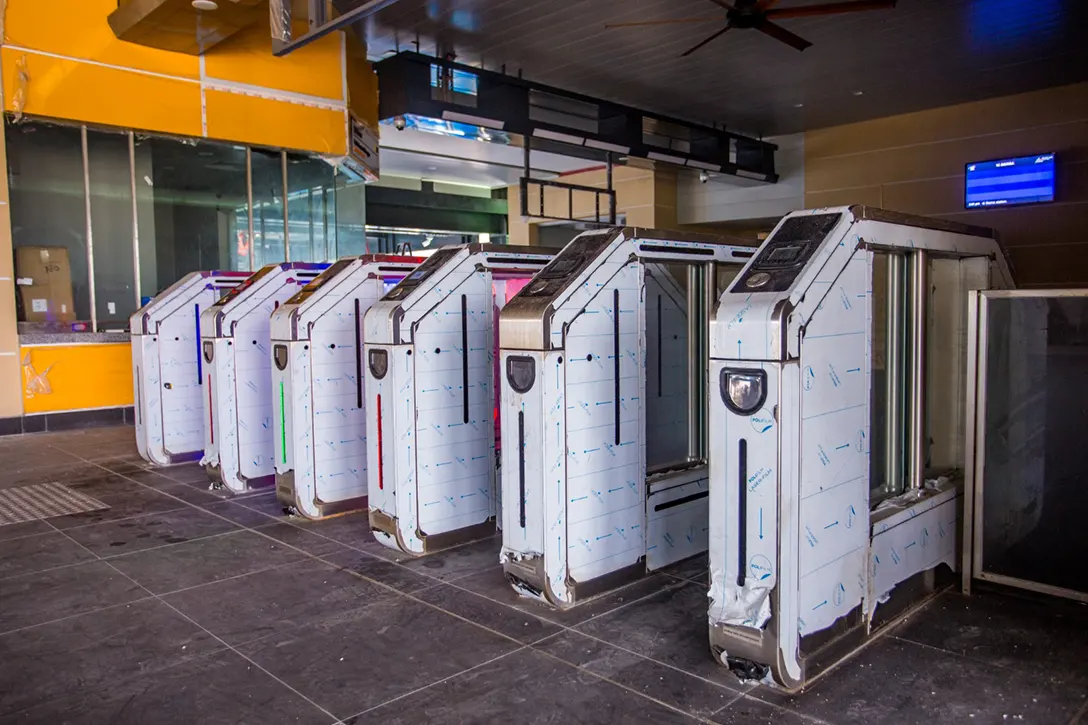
{"x":923,"y":54}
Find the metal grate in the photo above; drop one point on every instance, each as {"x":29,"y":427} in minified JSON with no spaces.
{"x":42,"y":501}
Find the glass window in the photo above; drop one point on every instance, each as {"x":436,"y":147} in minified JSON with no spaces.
{"x":311,"y":209}
{"x":192,"y":210}
{"x":49,"y":225}
{"x":268,"y":240}
{"x":111,"y":228}
{"x":351,"y":239}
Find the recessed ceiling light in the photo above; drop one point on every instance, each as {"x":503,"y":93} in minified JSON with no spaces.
{"x":432,"y":168}
{"x":798,"y":105}
{"x":859,"y":93}
{"x":205,"y":4}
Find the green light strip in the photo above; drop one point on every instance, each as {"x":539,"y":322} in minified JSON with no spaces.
{"x":283,"y":425}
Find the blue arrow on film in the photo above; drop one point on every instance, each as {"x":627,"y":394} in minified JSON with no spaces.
{"x":761,"y":522}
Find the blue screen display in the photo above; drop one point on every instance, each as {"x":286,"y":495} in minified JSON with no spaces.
{"x":1006,"y":182}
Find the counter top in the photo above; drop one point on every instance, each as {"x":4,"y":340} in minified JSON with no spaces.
{"x":71,"y":338}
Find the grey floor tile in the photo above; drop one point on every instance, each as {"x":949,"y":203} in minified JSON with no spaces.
{"x":893,"y":681}
{"x":35,"y":553}
{"x":511,"y":622}
{"x":219,"y":689}
{"x":235,"y":512}
{"x":108,"y":647}
{"x":24,"y":528}
{"x":351,"y":530}
{"x":750,"y":711}
{"x":451,"y":564}
{"x":380,"y":652}
{"x":276,"y":601}
{"x":56,"y":593}
{"x":171,"y":568}
{"x":121,"y":506}
{"x":196,"y":496}
{"x":153,"y":478}
{"x":104,"y":485}
{"x":1013,"y":631}
{"x":192,"y":473}
{"x":670,"y":627}
{"x":302,"y":539}
{"x":694,"y":568}
{"x":380,"y":570}
{"x":525,"y":688}
{"x":492,"y":583}
{"x":147,"y":532}
{"x":265,"y":502}
{"x":15,"y":475}
{"x":686,"y":692}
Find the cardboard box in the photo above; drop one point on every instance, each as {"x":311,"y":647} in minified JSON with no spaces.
{"x":45,"y":284}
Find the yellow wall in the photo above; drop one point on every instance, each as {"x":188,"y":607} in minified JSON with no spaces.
{"x":58,"y":378}
{"x":11,"y":403}
{"x":915,"y":163}
{"x":61,"y":60}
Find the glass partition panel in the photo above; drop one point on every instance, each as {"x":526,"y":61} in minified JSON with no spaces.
{"x":268,"y":237}
{"x":49,"y":226}
{"x":191,"y":209}
{"x":1033,"y":388}
{"x":311,"y":209}
{"x":111,"y":228}
{"x":350,"y":212}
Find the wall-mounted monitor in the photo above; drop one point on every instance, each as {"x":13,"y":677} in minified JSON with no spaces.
{"x":1010,"y":182}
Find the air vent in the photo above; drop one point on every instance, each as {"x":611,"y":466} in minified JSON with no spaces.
{"x":566,"y":112}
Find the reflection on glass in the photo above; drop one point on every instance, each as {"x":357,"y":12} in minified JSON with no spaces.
{"x":1036,"y":390}
{"x":111,"y":228}
{"x":350,"y":212}
{"x":48,"y":215}
{"x":311,"y":209}
{"x":191,"y":208}
{"x":268,"y":247}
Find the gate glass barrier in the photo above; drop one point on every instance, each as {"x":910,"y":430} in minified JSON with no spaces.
{"x":1029,"y":416}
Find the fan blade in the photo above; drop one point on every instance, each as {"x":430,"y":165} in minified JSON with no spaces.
{"x":722,"y":4}
{"x":852,"y":6}
{"x":686,"y":53}
{"x":779,"y":33}
{"x":765,"y":5}
{"x":675,"y":21}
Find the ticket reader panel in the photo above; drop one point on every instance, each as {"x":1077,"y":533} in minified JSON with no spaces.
{"x":167,"y":368}
{"x":236,"y":351}
{"x":806,"y":560}
{"x":317,"y":385}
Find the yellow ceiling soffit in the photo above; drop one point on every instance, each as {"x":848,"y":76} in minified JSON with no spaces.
{"x":178,"y":26}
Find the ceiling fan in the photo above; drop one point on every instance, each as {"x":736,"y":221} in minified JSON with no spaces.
{"x":759,"y":14}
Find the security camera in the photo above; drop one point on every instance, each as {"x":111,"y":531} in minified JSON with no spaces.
{"x":399,"y":123}
{"x":704,"y":177}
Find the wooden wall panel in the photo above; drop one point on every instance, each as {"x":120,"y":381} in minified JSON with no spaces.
{"x":915,"y":163}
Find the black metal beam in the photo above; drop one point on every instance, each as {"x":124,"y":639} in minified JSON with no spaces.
{"x":550,"y":116}
{"x":368,"y":8}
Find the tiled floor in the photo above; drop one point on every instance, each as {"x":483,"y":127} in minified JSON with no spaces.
{"x":182,"y":605}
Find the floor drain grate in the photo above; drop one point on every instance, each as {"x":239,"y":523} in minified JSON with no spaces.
{"x":42,"y":501}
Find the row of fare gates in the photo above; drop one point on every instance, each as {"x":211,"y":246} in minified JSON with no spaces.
{"x":631,"y":401}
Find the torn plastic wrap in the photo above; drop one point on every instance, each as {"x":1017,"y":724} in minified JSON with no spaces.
{"x":913,"y":533}
{"x":747,"y":606}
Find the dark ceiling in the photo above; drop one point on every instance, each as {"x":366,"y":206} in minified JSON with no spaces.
{"x":923,"y":54}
